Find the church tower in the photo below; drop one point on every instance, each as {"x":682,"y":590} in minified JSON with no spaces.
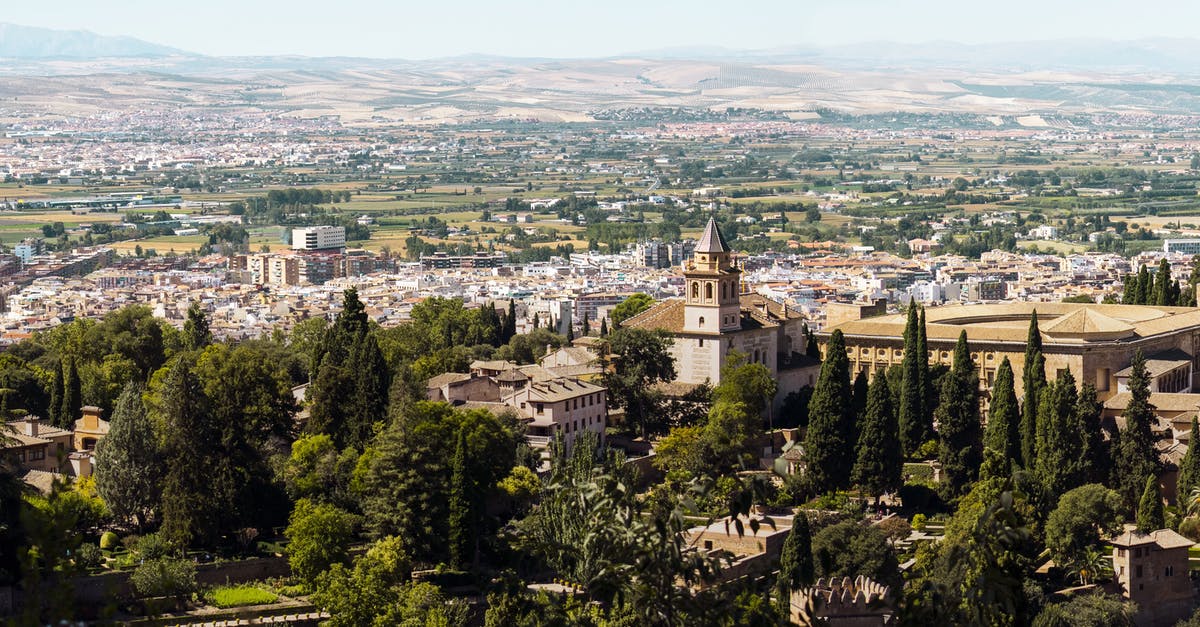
{"x":713,"y":302}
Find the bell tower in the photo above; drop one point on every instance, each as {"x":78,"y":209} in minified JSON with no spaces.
{"x":713,"y":302}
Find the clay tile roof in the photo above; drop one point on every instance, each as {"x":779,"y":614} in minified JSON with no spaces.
{"x":1159,"y":364}
{"x":1164,"y":538}
{"x":1086,"y":321}
{"x":667,"y":315}
{"x":712,"y":241}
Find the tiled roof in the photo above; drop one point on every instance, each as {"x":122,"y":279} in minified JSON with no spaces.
{"x":561,"y":389}
{"x":668,"y":315}
{"x":1164,"y":538}
{"x":712,"y":241}
{"x":1160,"y":363}
{"x":1169,"y":402}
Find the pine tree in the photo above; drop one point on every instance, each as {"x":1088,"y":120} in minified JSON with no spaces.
{"x":796,"y":568}
{"x":1189,"y":467}
{"x":1004,"y":420}
{"x":462,"y":510}
{"x":1150,"y":508}
{"x":1033,"y":379}
{"x":196,"y":333}
{"x":827,"y":446}
{"x":57,"y":389}
{"x":1136,"y":455}
{"x":961,"y":443}
{"x":128,"y":464}
{"x":72,"y":399}
{"x":1059,"y":444}
{"x":1145,"y":286}
{"x":879,"y":464}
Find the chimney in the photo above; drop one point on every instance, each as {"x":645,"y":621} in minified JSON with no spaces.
{"x":31,"y":426}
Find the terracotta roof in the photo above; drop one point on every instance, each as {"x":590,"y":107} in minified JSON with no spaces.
{"x":712,"y":241}
{"x":1169,"y":402}
{"x":1160,"y":363}
{"x":561,"y":389}
{"x":447,"y":378}
{"x":1164,"y":538}
{"x":1086,"y":322}
{"x":668,"y":315}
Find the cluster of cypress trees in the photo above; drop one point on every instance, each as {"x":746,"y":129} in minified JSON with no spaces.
{"x":916,"y":427}
{"x":1160,"y":289}
{"x":66,"y":395}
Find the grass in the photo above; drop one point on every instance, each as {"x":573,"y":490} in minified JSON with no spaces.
{"x":239,"y":596}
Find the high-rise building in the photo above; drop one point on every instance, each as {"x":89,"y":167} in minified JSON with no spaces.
{"x":319,"y":238}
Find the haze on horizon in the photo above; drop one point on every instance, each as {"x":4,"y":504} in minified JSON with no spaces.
{"x":533,"y":28}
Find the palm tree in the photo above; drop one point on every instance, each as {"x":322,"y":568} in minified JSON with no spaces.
{"x":1193,"y":502}
{"x":1093,"y":564}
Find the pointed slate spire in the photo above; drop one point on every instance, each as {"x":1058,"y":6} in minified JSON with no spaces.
{"x":712,"y":241}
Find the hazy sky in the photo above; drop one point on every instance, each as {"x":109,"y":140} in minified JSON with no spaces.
{"x":585,"y":28}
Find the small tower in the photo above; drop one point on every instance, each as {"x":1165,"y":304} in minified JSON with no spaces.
{"x":713,"y":302}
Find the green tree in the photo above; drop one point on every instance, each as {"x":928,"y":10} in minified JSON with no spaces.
{"x":1129,"y":295}
{"x":851,"y":548}
{"x":128,"y":463}
{"x":1059,"y":443}
{"x":195,"y":330}
{"x":639,"y":360}
{"x":1150,"y":508}
{"x":367,"y":592}
{"x":1162,"y":295}
{"x":319,"y":536}
{"x":1088,"y":610}
{"x":317,"y":471}
{"x":1033,"y":380}
{"x":463,"y":507}
{"x":1004,"y":419}
{"x":915,"y":429}
{"x":1095,"y":463}
{"x":1145,"y":284}
{"x":1084,"y":517}
{"x":961,"y":447}
{"x":191,"y":506}
{"x":879,"y":466}
{"x":1136,"y":455}
{"x":408,"y":483}
{"x":630,"y":307}
{"x":1189,"y":467}
{"x":72,"y":400}
{"x":57,"y":390}
{"x":796,"y":568}
{"x":829,"y":452}
{"x":929,"y":395}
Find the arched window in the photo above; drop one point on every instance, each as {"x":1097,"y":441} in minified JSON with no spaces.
{"x":701,"y":320}
{"x":724,"y":290}
{"x":756,"y":355}
{"x":708,"y":291}
{"x":695,"y":290}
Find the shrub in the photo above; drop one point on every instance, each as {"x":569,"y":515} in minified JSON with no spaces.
{"x":918,"y":522}
{"x":1190,"y":528}
{"x":89,"y":556}
{"x":319,"y":536}
{"x":109,"y":541}
{"x":152,"y":547}
{"x":239,"y":596}
{"x":164,"y":577}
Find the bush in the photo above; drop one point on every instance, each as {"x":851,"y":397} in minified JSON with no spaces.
{"x":918,"y":522}
{"x":89,"y":556}
{"x":152,"y":547}
{"x":109,"y":541}
{"x":1190,"y":528}
{"x":319,"y":536}
{"x":164,"y":577}
{"x":239,"y":596}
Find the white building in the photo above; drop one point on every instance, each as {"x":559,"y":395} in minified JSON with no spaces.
{"x":319,"y":238}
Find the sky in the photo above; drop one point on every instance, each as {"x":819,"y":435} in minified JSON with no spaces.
{"x":589,"y":28}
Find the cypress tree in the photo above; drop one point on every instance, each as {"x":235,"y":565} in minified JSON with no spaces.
{"x":1150,"y":508}
{"x":912,"y":421}
{"x":1130,"y":294}
{"x":510,"y":322}
{"x":72,"y":399}
{"x":56,"y":398}
{"x":928,"y":394}
{"x":828,"y":449}
{"x":535,"y":321}
{"x":604,"y":328}
{"x":570,"y":334}
{"x":586,"y":329}
{"x":1162,"y":284}
{"x":1004,"y":420}
{"x":192,"y":448}
{"x":1059,"y":444}
{"x":1189,"y":469}
{"x":961,"y":443}
{"x":859,"y":403}
{"x":1136,"y":456}
{"x":462,"y":510}
{"x":879,"y":463}
{"x":796,"y":568}
{"x":367,"y":404}
{"x":1145,"y":286}
{"x":1095,"y":464}
{"x":1033,"y":379}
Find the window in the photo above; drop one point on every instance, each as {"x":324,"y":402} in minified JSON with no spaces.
{"x":1138,"y":572}
{"x":539,"y":408}
{"x":700,"y":343}
{"x":38,"y":454}
{"x":1169,"y":571}
{"x":708,"y":291}
{"x":695,"y":291}
{"x":701,"y":321}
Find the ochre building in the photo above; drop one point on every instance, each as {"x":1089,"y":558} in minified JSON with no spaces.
{"x":1095,"y":342}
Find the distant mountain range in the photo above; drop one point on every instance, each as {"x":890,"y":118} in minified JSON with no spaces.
{"x":28,"y":42}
